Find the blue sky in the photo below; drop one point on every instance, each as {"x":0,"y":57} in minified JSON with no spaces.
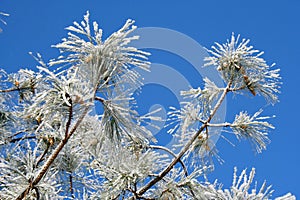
{"x":272,"y":26}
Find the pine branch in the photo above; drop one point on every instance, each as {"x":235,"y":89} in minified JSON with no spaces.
{"x":187,"y":146}
{"x":53,"y":156}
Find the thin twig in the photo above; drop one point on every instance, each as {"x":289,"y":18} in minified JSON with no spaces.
{"x":21,"y":138}
{"x":173,"y":154}
{"x":237,"y":89}
{"x":226,"y":124}
{"x":99,"y":99}
{"x":43,"y":155}
{"x":71,"y":186}
{"x":19,"y":132}
{"x":15,"y":89}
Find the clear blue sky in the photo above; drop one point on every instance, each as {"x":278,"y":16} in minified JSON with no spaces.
{"x":272,"y":26}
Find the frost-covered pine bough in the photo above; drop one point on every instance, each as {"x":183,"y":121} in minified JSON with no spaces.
{"x":70,"y":129}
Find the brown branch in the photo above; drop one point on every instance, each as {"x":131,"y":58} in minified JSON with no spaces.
{"x":71,"y":186}
{"x":43,"y":155}
{"x":53,"y":156}
{"x":99,"y":99}
{"x":15,"y":89}
{"x":187,"y":146}
{"x":24,"y":194}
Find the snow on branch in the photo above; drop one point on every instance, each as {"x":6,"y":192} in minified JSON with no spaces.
{"x":241,"y":63}
{"x":252,"y":128}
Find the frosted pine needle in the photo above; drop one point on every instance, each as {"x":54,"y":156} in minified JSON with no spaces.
{"x":253,"y":129}
{"x":239,"y":63}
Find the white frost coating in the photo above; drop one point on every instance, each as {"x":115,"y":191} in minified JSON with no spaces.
{"x":243,"y":65}
{"x":252,"y":128}
{"x":82,"y":116}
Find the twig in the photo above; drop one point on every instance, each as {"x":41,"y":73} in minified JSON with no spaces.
{"x":71,"y":186}
{"x":19,"y":132}
{"x":226,"y":124}
{"x":21,"y":138}
{"x":173,"y":154}
{"x":99,"y":99}
{"x":15,"y":89}
{"x":43,"y":155}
